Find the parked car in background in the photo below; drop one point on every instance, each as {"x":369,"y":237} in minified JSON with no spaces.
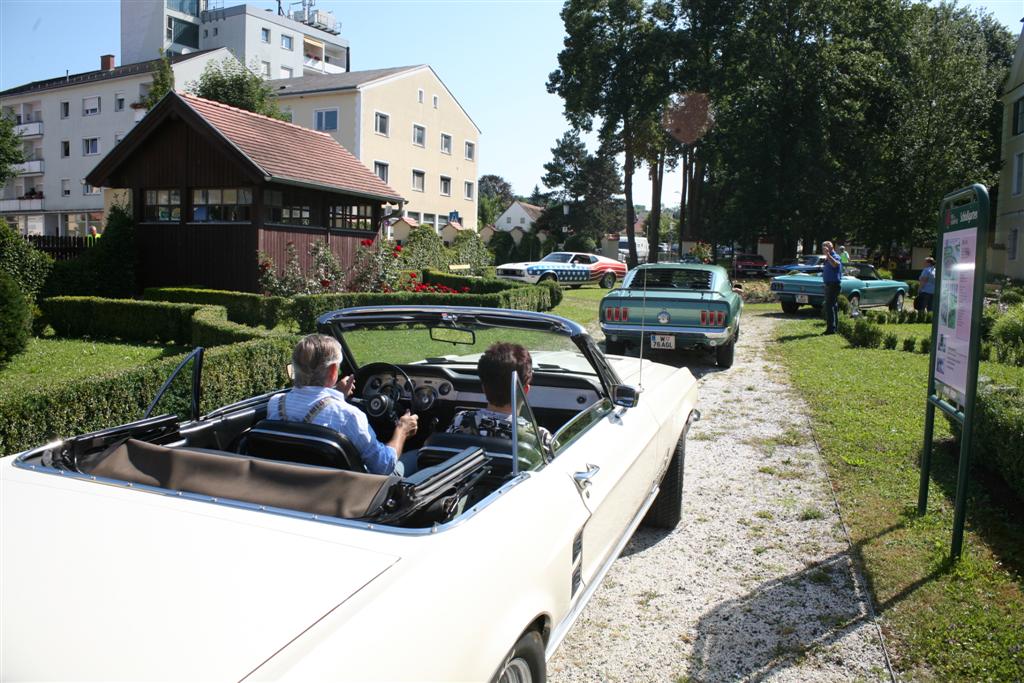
{"x":643,"y":249}
{"x":226,"y":546}
{"x":673,"y":306}
{"x":566,"y":267}
{"x":745,"y":265}
{"x":861,"y":284}
{"x":806,"y":264}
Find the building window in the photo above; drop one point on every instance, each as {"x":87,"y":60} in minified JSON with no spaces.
{"x":418,"y":180}
{"x":65,"y":149}
{"x":286,"y":72}
{"x":265,"y":69}
{"x":1018,"y":173}
{"x":352,"y":218}
{"x":419,"y":135}
{"x":119,"y":101}
{"x":264,"y":35}
{"x":508,"y":220}
{"x":415,"y":215}
{"x":522,"y":220}
{"x":89,"y":189}
{"x":286,"y":42}
{"x":90,"y":146}
{"x":81,"y":224}
{"x":470,"y":151}
{"x":429,"y":219}
{"x":419,"y":95}
{"x":230,"y":205}
{"x":118,"y":136}
{"x":215,"y":31}
{"x":65,"y":187}
{"x":1018,"y":116}
{"x":446,"y":143}
{"x":446,"y":186}
{"x":1012,"y":244}
{"x":206,"y":34}
{"x":325,"y":119}
{"x":435,"y":101}
{"x":190,"y":7}
{"x":286,"y":209}
{"x":65,"y":109}
{"x":182,"y":32}
{"x":162,"y":205}
{"x":468,"y":186}
{"x":381,"y":123}
{"x":90,"y":106}
{"x":381,"y":170}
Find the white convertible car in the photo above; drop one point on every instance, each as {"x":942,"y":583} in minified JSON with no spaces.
{"x":230,"y":547}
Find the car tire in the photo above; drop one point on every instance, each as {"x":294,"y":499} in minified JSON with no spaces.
{"x":667,"y":509}
{"x":607,"y":280}
{"x":548,"y":277}
{"x":615,"y":348}
{"x":790,"y":307}
{"x":525,"y":662}
{"x":897,"y":302}
{"x":725,"y":354}
{"x":854,"y":305}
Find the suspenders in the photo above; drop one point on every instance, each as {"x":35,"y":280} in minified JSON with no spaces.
{"x":314,"y":409}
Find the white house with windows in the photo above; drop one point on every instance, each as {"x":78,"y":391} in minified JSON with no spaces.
{"x":1006,"y":257}
{"x":67,"y":124}
{"x":406,"y":126}
{"x":518,"y":215}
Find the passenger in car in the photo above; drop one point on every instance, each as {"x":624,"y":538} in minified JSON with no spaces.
{"x":318,"y":397}
{"x":495,"y":367}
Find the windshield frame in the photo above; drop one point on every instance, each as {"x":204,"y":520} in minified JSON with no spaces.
{"x":558,"y":257}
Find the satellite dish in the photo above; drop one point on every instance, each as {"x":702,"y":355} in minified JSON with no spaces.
{"x":689,"y":117}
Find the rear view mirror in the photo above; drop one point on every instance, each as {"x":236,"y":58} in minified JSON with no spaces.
{"x":625,"y":395}
{"x":453,"y":335}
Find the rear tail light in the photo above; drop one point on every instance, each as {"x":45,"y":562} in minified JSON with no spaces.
{"x":721,"y":318}
{"x":616,"y":314}
{"x":703,"y":317}
{"x":712,"y":318}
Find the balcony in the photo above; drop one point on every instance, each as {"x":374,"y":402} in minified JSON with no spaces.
{"x":33,"y":167}
{"x":314,"y":65}
{"x":29,"y":130}
{"x":34,"y":204}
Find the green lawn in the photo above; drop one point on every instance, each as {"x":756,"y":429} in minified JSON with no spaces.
{"x":962,"y":622}
{"x":55,"y":360}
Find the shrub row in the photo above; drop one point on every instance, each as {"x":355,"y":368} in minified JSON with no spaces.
{"x":230,"y":373}
{"x":242,"y":307}
{"x":898,"y":317}
{"x":131,"y":320}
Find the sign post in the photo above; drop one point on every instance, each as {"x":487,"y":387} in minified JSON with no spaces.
{"x":956,"y":336}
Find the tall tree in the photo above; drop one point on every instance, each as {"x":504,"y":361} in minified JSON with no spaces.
{"x":496,"y":187}
{"x":564,"y":174}
{"x":11,"y":151}
{"x":163,"y":81}
{"x":230,"y":82}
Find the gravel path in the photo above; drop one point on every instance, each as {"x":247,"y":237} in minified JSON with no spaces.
{"x":756,"y":582}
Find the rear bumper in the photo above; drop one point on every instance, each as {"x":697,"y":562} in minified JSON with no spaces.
{"x":685,"y":336}
{"x":812,"y":299}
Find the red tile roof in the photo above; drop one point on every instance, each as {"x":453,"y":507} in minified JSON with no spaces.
{"x":287,"y":152}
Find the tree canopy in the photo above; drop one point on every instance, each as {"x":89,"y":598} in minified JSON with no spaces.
{"x":11,"y":152}
{"x":230,"y":82}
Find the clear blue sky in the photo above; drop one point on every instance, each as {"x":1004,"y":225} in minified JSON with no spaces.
{"x":495,"y":55}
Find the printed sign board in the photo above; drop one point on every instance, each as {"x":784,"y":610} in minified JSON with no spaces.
{"x":957,"y":260}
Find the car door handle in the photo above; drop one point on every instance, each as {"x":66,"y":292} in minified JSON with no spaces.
{"x":582,"y":479}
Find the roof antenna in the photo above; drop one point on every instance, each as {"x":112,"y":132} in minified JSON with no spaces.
{"x":643,"y":334}
{"x":280,"y":9}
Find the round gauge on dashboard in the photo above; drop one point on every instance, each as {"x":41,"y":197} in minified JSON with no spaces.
{"x":423,"y":398}
{"x":444,"y":389}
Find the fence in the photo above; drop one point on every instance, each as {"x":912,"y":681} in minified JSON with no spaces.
{"x":61,"y":247}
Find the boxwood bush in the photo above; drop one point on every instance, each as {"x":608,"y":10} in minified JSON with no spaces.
{"x":230,"y":373}
{"x":15,"y":319}
{"x":242,"y":307}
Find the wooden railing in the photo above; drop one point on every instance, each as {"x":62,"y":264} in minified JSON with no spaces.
{"x":61,"y":247}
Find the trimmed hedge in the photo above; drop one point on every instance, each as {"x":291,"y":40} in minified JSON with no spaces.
{"x":230,"y":373}
{"x":243,"y":307}
{"x":15,"y":319}
{"x":131,"y":320}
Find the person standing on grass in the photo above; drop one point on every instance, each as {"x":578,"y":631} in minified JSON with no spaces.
{"x":831,"y":273}
{"x":926,"y":293}
{"x":843,"y":256}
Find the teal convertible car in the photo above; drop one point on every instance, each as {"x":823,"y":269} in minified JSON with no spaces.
{"x":673,"y":306}
{"x":861,"y":284}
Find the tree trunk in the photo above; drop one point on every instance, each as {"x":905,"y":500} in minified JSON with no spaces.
{"x":628,"y":167}
{"x":685,"y":165}
{"x":654,"y":218}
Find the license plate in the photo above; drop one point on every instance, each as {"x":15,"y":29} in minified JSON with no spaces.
{"x":801,"y":298}
{"x":663,"y":341}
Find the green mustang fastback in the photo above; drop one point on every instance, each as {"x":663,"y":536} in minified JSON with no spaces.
{"x":670,"y":306}
{"x":861,"y":284}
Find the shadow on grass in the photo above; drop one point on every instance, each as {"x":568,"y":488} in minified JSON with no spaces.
{"x":700,"y":363}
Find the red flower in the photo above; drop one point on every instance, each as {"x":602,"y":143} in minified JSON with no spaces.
{"x":465,"y":289}
{"x":367,"y":243}
{"x":398,"y":248}
{"x":412,"y":276}
{"x":326,"y":284}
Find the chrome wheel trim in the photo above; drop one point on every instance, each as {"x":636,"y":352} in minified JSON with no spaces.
{"x":854,"y":306}
{"x":516,"y":670}
{"x":899,"y":301}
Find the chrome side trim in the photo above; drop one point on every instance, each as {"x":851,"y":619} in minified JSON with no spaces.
{"x":559,"y":632}
{"x":708,"y":332}
{"x":20,"y":463}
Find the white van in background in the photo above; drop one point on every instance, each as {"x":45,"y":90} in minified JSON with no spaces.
{"x":643,"y":249}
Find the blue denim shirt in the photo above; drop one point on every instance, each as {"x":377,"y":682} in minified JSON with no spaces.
{"x":830,"y":273}
{"x":340,"y":416}
{"x":928,"y":280}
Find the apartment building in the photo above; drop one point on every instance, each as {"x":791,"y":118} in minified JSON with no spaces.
{"x":67,"y":125}
{"x":274,"y":45}
{"x":406,"y":126}
{"x":1007,"y":256}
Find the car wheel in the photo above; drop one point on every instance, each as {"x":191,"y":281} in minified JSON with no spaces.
{"x":790,"y":307}
{"x":667,"y":509}
{"x":608,"y":280}
{"x":725,"y":354}
{"x":548,"y":277}
{"x":524,"y":662}
{"x":897,"y":302}
{"x":854,"y":305}
{"x":615,"y":348}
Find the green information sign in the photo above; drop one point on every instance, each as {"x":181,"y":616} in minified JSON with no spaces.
{"x":956,"y":335}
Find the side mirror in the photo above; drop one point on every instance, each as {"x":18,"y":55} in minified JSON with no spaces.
{"x":625,"y":395}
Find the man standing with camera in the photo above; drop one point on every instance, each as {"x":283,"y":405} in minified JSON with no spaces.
{"x":831,"y":273}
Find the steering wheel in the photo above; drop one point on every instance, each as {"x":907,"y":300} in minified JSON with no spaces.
{"x":386,"y":402}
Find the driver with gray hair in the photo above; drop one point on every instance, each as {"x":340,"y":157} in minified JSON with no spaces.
{"x":318,"y":397}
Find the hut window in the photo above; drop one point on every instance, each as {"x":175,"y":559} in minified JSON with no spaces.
{"x":352,"y":218}
{"x":286,"y":209}
{"x":162,"y":205}
{"x":233,"y":205}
